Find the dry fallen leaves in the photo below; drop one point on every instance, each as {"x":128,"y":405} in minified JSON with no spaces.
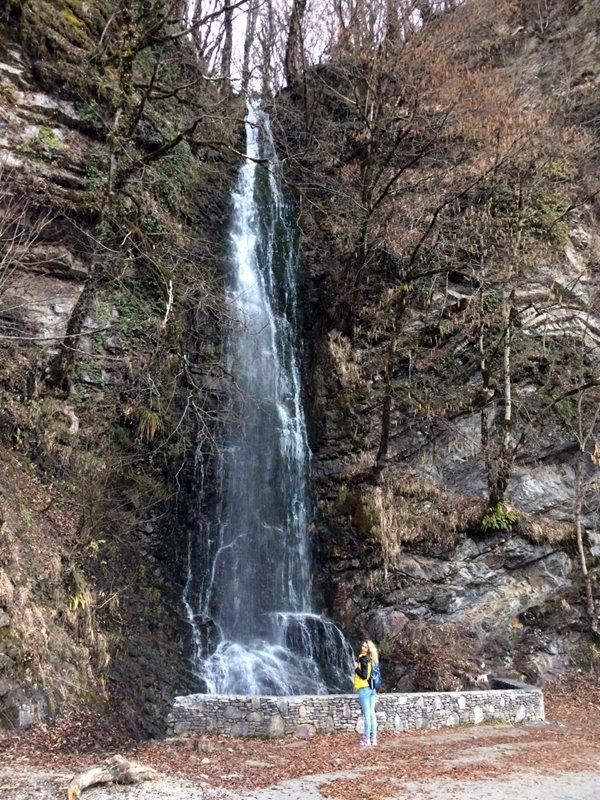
{"x":569,"y":741}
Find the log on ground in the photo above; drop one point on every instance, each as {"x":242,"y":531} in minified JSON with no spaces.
{"x":115,"y":770}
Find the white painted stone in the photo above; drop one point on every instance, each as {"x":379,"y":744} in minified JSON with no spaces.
{"x":521,"y":714}
{"x":462,"y":702}
{"x":276,"y":727}
{"x":478,"y":715}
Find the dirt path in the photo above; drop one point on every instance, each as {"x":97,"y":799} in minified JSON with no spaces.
{"x":557,"y":760}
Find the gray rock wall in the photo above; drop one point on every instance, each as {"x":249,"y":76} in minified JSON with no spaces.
{"x":275,"y":717}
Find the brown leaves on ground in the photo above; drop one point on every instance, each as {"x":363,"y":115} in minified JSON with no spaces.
{"x":570,"y":740}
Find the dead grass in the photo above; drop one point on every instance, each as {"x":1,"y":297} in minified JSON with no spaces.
{"x":407,"y":509}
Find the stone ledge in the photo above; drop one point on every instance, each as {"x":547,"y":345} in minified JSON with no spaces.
{"x":304,"y":715}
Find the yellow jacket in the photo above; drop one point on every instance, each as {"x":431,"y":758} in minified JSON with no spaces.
{"x":362,"y":667}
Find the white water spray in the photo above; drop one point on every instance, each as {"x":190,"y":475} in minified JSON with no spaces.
{"x":253,"y":628}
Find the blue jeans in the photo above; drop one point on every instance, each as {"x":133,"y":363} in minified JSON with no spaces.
{"x":367,"y":698}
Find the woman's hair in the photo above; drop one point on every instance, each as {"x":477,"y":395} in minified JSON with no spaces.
{"x":372,"y":651}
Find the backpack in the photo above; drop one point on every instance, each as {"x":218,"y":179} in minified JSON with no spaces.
{"x":375,"y":676}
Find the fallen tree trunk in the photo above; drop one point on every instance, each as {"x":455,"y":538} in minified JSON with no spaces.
{"x":115,"y":770}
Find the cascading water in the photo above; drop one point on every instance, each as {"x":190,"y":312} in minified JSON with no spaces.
{"x":251,"y":619}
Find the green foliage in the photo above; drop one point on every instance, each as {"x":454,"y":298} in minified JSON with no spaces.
{"x":538,"y":208}
{"x":76,"y":602}
{"x":134,"y":311}
{"x":49,"y":138}
{"x":171,"y":178}
{"x":154,"y":595}
{"x":78,"y":593}
{"x":498,"y":519}
{"x":44,"y":146}
{"x":153,"y":226}
{"x":97,"y":168}
{"x":547,"y":218}
{"x":91,"y":372}
{"x":555,"y":170}
{"x":71,"y":19}
{"x":88,"y":112}
{"x":27,"y":516}
{"x":57,"y":22}
{"x":149,"y":424}
{"x":491,"y":300}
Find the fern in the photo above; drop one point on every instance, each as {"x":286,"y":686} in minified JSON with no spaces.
{"x":148,"y":424}
{"x":498,"y":519}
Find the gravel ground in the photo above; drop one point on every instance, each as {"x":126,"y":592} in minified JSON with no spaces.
{"x":487,"y":763}
{"x":525,"y":786}
{"x":556,"y":760}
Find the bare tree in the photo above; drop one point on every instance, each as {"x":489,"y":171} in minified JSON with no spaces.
{"x":252,"y":16}
{"x":227,"y":51}
{"x":585,"y":430}
{"x":294,"y":59}
{"x":135,"y":51}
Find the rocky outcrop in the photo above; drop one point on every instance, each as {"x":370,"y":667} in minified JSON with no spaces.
{"x":398,"y":398}
{"x":505,"y":588}
{"x":111,"y":288}
{"x":41,"y":153}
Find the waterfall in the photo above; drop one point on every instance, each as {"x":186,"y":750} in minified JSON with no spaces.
{"x":253,"y":629}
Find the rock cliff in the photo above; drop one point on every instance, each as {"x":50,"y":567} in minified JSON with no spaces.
{"x":448,"y":190}
{"x":110,"y":235}
{"x":454,"y":274}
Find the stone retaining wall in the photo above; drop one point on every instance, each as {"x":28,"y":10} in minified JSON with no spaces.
{"x":305,"y":715}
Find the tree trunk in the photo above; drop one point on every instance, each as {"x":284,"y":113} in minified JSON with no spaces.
{"x":59,"y":374}
{"x":384,"y":437}
{"x":486,"y":446}
{"x":590,"y":603}
{"x":294,"y":47}
{"x":226,"y":55}
{"x":505,"y":457}
{"x":248,"y":42}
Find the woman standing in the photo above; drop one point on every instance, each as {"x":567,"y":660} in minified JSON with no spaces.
{"x":366,"y":694}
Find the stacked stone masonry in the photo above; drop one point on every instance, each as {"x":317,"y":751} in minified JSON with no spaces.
{"x":275,"y":717}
